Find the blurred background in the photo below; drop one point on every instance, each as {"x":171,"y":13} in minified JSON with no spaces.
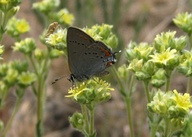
{"x":133,"y":20}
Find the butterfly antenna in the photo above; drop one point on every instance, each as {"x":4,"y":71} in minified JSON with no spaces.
{"x":117,"y":52}
{"x":57,"y":79}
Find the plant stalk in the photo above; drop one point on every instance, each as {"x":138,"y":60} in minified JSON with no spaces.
{"x":129,"y":115}
{"x":189,"y":83}
{"x":16,"y":108}
{"x":84,"y":112}
{"x":168,"y":83}
{"x":91,"y":127}
{"x":146,"y":86}
{"x":40,"y":107}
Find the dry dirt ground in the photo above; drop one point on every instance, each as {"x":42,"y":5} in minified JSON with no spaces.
{"x":158,"y":17}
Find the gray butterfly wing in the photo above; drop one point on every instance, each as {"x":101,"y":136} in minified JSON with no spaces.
{"x":76,"y":42}
{"x":86,"y":57}
{"x":100,"y":59}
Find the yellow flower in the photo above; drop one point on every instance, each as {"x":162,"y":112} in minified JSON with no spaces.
{"x":123,"y":71}
{"x":16,"y":27}
{"x":22,"y":26}
{"x":167,"y":57}
{"x":93,"y":91}
{"x":65,"y":17}
{"x":58,"y":37}
{"x":160,"y":103}
{"x":143,"y":50}
{"x":164,"y":41}
{"x":76,"y":91}
{"x":185,"y":66}
{"x":4,"y":1}
{"x":183,"y":101}
{"x":136,"y":65}
{"x":26,"y":78}
{"x":53,"y":39}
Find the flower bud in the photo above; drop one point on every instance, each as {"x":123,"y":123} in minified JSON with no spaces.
{"x":26,"y":78}
{"x":168,"y":59}
{"x":77,"y":120}
{"x":46,"y":6}
{"x":185,"y":66}
{"x":11,"y":77}
{"x":184,"y":21}
{"x":57,"y":39}
{"x":54,"y":53}
{"x":159,"y":78}
{"x":26,"y":46}
{"x":164,"y":41}
{"x":39,"y":54}
{"x":123,"y":72}
{"x":104,"y":34}
{"x":64,"y":17}
{"x":16,"y":27}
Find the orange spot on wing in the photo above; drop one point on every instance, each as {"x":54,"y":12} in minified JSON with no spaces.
{"x":107,"y":53}
{"x":109,"y":64}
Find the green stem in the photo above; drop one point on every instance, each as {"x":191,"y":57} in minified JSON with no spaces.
{"x":84,"y":112}
{"x":131,"y":85}
{"x":154,"y":125}
{"x":17,"y":105}
{"x":91,"y":127}
{"x":40,"y":106}
{"x":146,"y":86}
{"x":33,"y":64}
{"x":153,"y":130}
{"x":122,"y":89}
{"x":150,"y":115}
{"x":127,"y":98}
{"x":167,"y":127}
{"x":168,"y":83}
{"x":40,"y":93}
{"x":129,"y":116}
{"x":3,"y":24}
{"x":5,"y":19}
{"x":41,"y":96}
{"x":189,"y":83}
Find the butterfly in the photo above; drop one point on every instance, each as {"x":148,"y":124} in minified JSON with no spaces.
{"x":87,"y":57}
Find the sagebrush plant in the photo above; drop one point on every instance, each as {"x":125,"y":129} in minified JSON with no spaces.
{"x":169,"y":112}
{"x":17,"y":74}
{"x":154,"y":65}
